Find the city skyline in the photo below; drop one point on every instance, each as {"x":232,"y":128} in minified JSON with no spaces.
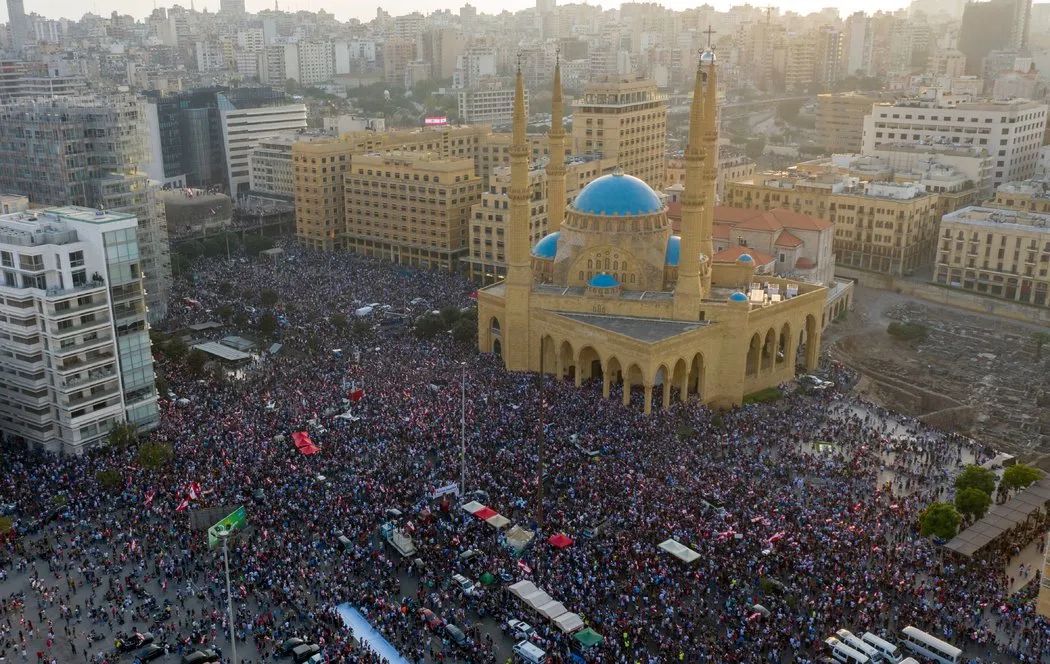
{"x":74,"y":11}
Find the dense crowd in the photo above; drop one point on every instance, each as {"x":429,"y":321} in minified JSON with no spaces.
{"x":822,"y":535}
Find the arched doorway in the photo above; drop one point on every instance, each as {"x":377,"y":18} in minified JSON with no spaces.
{"x":589,"y":364}
{"x":680,"y":377}
{"x":769,"y":350}
{"x":567,"y":361}
{"x":754,"y":350}
{"x":696,"y":376}
{"x":497,"y":348}
{"x":784,"y":346}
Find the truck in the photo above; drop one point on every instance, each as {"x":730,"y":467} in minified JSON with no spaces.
{"x":396,"y":538}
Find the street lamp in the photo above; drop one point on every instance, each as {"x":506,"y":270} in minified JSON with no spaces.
{"x":224,"y":533}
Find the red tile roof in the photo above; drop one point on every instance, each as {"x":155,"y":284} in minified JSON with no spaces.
{"x":786,"y":239}
{"x":804,"y":263}
{"x":730,"y":254}
{"x":775,"y":219}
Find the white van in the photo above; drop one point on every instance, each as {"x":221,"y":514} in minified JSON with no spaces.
{"x":927,"y":645}
{"x":854,"y":641}
{"x":890,"y":652}
{"x":843,"y":654}
{"x":529,"y":652}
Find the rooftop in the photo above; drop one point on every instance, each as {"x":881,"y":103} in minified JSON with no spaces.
{"x":975,"y":215}
{"x":648,"y":330}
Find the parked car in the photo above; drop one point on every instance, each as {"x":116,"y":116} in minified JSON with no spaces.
{"x":464,"y":584}
{"x":133,"y":642}
{"x":811,"y":383}
{"x":200,"y":657}
{"x":456,"y":635}
{"x":305,"y":652}
{"x":288,"y":645}
{"x":150,"y":653}
{"x":432,"y":620}
{"x":520,"y":630}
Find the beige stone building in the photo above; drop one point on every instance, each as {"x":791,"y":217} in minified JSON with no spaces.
{"x":1030,"y":195}
{"x":626,"y":121}
{"x":885,"y":227}
{"x":732,"y":165}
{"x":410,"y":208}
{"x":840,"y":119}
{"x":994,"y":251}
{"x":612,"y":295}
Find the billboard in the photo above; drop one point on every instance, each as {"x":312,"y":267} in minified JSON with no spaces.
{"x":435,"y":121}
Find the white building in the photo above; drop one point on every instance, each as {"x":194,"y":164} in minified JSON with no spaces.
{"x":1011,"y":130}
{"x":315,"y":62}
{"x":343,"y":124}
{"x":491,"y":103}
{"x":75,"y":353}
{"x":270,"y":167}
{"x":210,"y":56}
{"x":243,"y":129}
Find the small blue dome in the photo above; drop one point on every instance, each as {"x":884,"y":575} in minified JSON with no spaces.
{"x":738,"y":297}
{"x":603,"y":280}
{"x":745,"y":258}
{"x":617,"y":194}
{"x":674,"y":250}
{"x":547,"y":247}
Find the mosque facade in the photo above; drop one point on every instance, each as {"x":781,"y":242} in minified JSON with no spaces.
{"x":612,"y":294}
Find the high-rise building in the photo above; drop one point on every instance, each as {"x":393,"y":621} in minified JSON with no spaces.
{"x":18,"y":25}
{"x":410,"y":208}
{"x":840,"y":119}
{"x":626,"y":121}
{"x":105,"y":147}
{"x":232,"y":7}
{"x":1011,"y":130}
{"x":993,"y":25}
{"x":489,"y":102}
{"x":75,"y":356}
{"x":397,"y":53}
{"x":243,"y":128}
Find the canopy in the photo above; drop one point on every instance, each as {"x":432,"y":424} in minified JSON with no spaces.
{"x":538,"y":599}
{"x":472,"y":507}
{"x":589,"y":638}
{"x":522,"y":589}
{"x":568,"y":622}
{"x":552,"y":610}
{"x":487,"y":579}
{"x":679,"y":550}
{"x":498,"y":521}
{"x":560,"y":541}
{"x":485,"y":513}
{"x":518,"y":538}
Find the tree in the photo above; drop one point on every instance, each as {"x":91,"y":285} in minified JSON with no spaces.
{"x":428,"y":325}
{"x":1020,"y":476}
{"x":338,"y":321}
{"x":253,"y":244}
{"x":361,"y":327}
{"x":154,"y":455}
{"x":907,"y":331}
{"x":196,"y":360}
{"x":267,"y":325}
{"x":6,"y":524}
{"x":268,"y":297}
{"x":465,"y":331}
{"x":176,"y":348}
{"x":976,"y":477}
{"x":162,"y":385}
{"x":940,"y":520}
{"x":755,"y":147}
{"x":109,"y":479}
{"x":449,"y":316}
{"x":1040,"y":339}
{"x":122,"y":435}
{"x":972,"y":502}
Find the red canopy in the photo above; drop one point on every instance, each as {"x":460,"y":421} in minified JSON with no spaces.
{"x":304,"y":444}
{"x":485,"y":513}
{"x":560,"y":541}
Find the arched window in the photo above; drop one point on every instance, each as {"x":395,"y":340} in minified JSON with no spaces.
{"x":581,"y":275}
{"x":590,"y":264}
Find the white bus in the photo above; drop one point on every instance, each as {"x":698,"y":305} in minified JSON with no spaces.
{"x":853,"y":641}
{"x":842,"y":653}
{"x":908,"y":660}
{"x":919,"y":642}
{"x":890,"y":652}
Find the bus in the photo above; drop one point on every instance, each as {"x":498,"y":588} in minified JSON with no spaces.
{"x":845,"y":654}
{"x":890,"y":652}
{"x":921,"y":643}
{"x":853,"y":641}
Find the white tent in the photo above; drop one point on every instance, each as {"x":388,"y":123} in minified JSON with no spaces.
{"x":568,"y":622}
{"x":471,"y":507}
{"x":679,"y":550}
{"x":552,"y":610}
{"x":522,"y":589}
{"x":537,"y":599}
{"x":518,"y":538}
{"x":498,"y":521}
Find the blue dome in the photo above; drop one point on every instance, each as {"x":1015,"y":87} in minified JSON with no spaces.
{"x":547,"y":247}
{"x":745,"y":258}
{"x":674,"y":250}
{"x":738,"y":297}
{"x":602,"y":280}
{"x":617,"y":194}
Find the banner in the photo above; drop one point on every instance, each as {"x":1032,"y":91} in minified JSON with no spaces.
{"x":233,"y":522}
{"x":447,"y":489}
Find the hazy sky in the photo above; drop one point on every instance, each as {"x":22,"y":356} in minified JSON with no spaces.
{"x":365,"y":10}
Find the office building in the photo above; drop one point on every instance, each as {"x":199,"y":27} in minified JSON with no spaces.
{"x":104,"y":139}
{"x":840,"y":119}
{"x":732,"y":165}
{"x":18,"y":25}
{"x":75,"y":355}
{"x":626,"y":121}
{"x":993,"y":25}
{"x":243,"y":128}
{"x":318,"y":168}
{"x":998,"y":252}
{"x":410,"y":208}
{"x":232,"y":7}
{"x":20,"y":79}
{"x":270,"y":168}
{"x":489,"y":103}
{"x":1011,"y":130}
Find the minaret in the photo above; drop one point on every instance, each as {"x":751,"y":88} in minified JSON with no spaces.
{"x":688,"y":290}
{"x":556,"y":165}
{"x":709,"y":186}
{"x":519,"y":266}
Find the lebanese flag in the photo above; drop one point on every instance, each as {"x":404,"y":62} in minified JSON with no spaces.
{"x":356,"y":395}
{"x":183,"y":506}
{"x":149,"y":497}
{"x":193,"y":490}
{"x":524,"y":568}
{"x":133,"y":545}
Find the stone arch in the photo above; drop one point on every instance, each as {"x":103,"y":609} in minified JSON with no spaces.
{"x":549,"y":355}
{"x":812,"y":343}
{"x":769,"y":349}
{"x":497,"y":348}
{"x":754,"y":351}
{"x":697,"y":373}
{"x":662,"y":377}
{"x":588,"y":364}
{"x":566,"y":361}
{"x":680,"y":378}
{"x":784,"y":345}
{"x":634,"y":376}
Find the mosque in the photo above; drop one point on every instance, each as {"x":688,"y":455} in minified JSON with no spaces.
{"x":612,"y":294}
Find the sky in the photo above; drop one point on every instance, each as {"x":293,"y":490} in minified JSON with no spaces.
{"x":362,"y":9}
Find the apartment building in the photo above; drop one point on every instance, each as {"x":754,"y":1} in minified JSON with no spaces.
{"x":318,"y":168}
{"x":732,"y":165}
{"x":840,"y":119}
{"x":1028,"y":195}
{"x":410,"y":208}
{"x":490,"y":103}
{"x":244,"y":128}
{"x":270,"y":167}
{"x":624,"y":120}
{"x":997,"y":252}
{"x":75,"y":353}
{"x":1011,"y":130}
{"x":885,"y":227}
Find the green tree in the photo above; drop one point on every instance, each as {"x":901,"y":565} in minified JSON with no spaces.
{"x":240,"y":319}
{"x":338,"y":321}
{"x":1020,"y":476}
{"x":122,"y":435}
{"x":361,"y":327}
{"x":940,"y":520}
{"x":428,"y":325}
{"x":976,"y":477}
{"x":109,"y":479}
{"x":972,"y":502}
{"x":465,"y":331}
{"x":267,"y":325}
{"x":755,"y":147}
{"x":225,"y":312}
{"x":176,"y":348}
{"x":907,"y":331}
{"x":267,"y":297}
{"x":449,"y":316}
{"x":6,"y":524}
{"x":155,"y":455}
{"x":162,"y":385}
{"x":1040,"y":339}
{"x":253,"y":244}
{"x":196,"y":359}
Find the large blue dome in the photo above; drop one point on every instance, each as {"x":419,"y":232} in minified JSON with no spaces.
{"x":617,"y":194}
{"x":603,"y":280}
{"x":547,"y":247}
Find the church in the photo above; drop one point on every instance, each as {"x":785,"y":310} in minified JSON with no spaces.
{"x":611,"y":294}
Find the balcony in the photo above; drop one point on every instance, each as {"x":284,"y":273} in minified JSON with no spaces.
{"x":73,"y":329}
{"x":82,"y":346}
{"x":64,"y":292}
{"x":79,"y":364}
{"x":93,"y":376}
{"x":105,"y":393}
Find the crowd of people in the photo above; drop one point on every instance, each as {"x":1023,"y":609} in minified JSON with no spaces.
{"x":816,"y":534}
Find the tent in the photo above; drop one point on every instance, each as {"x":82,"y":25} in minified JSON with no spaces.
{"x":552,"y":610}
{"x":487,"y":579}
{"x":518,"y":538}
{"x":538,"y":599}
{"x":679,"y":550}
{"x":471,"y":507}
{"x":498,"y":521}
{"x":522,"y":589}
{"x":560,"y":541}
{"x":568,"y":622}
{"x":588,"y":638}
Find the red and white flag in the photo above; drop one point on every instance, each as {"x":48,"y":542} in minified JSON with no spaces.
{"x":183,"y":506}
{"x":193,"y":490}
{"x":525,"y":568}
{"x":133,"y":545}
{"x":149,"y":497}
